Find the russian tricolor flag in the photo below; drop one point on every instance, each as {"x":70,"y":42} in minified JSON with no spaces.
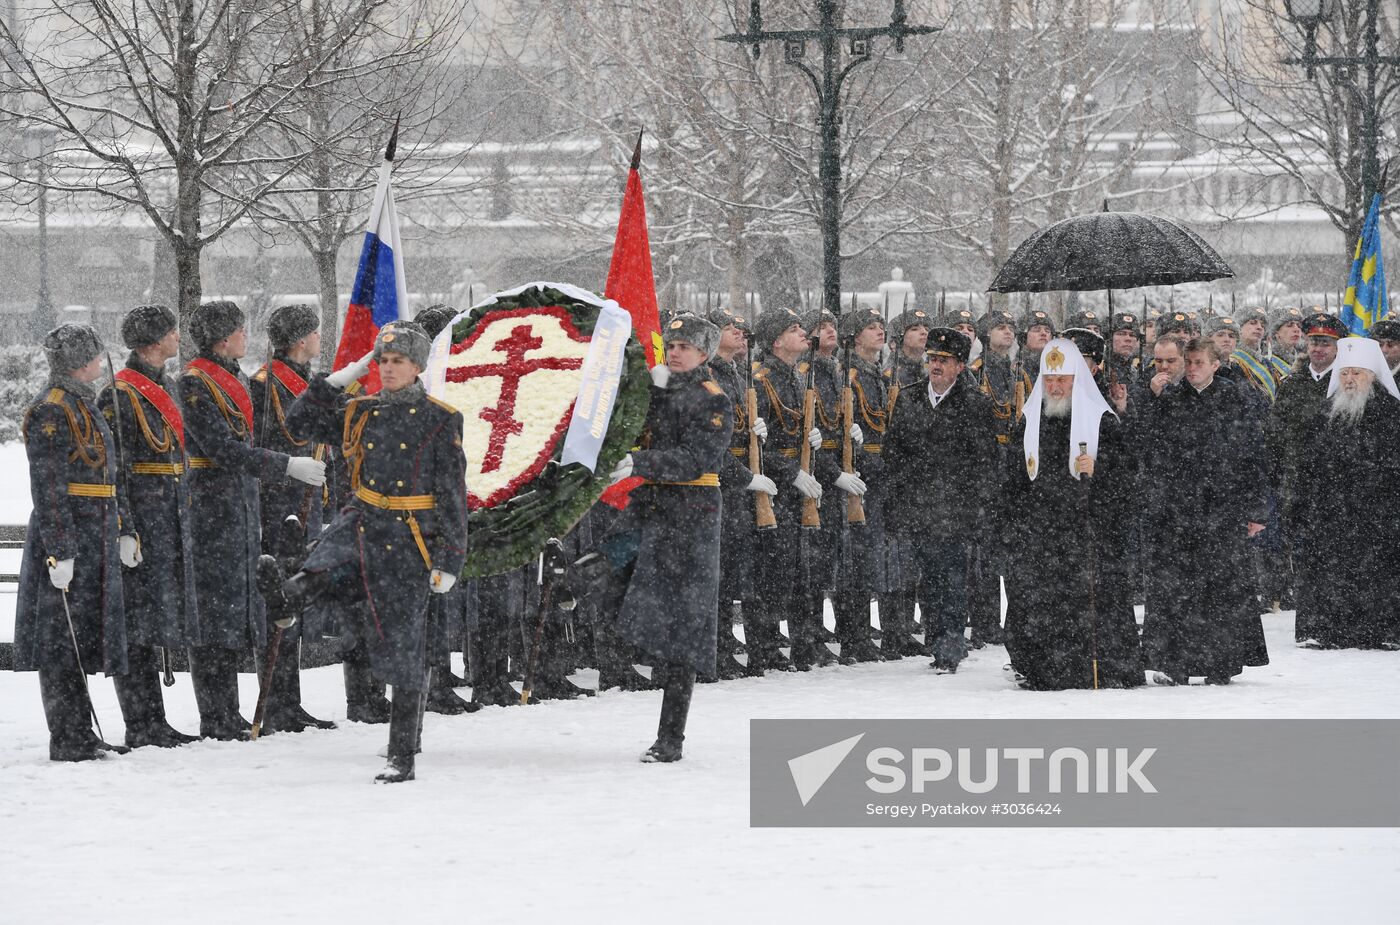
{"x":379,"y":295}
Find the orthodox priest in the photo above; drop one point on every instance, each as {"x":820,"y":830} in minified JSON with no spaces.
{"x":1066,"y":511}
{"x":1348,"y":492}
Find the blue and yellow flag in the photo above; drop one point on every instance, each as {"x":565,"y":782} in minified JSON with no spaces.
{"x":1365,"y":301}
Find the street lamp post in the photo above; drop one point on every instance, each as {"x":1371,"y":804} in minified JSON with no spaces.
{"x":827,"y":84}
{"x":1309,"y":15}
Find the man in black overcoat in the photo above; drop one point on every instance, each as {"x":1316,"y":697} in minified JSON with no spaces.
{"x":940,"y":472}
{"x":1206,"y":480}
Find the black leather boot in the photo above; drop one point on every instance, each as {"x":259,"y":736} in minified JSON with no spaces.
{"x":214,"y":671}
{"x":551,"y":680}
{"x":853,"y":627}
{"x":403,"y":738}
{"x":364,"y":697}
{"x":143,"y":709}
{"x":678,"y":683}
{"x":67,"y":712}
{"x":441,"y":697}
{"x":488,"y":659}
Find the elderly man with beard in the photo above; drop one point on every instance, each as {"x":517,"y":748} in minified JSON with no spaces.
{"x":1065,"y":512}
{"x":1205,"y":477}
{"x":1296,"y":414}
{"x":1348,"y":491}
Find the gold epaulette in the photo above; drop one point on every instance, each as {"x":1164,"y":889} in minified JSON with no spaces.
{"x":975,"y":365}
{"x":260,"y":375}
{"x":761,"y":373}
{"x":712,"y":387}
{"x":442,"y":404}
{"x":803,"y":367}
{"x":55,"y":396}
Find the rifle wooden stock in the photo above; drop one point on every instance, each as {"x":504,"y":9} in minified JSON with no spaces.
{"x":763,"y":517}
{"x":811,"y":517}
{"x":855,"y":509}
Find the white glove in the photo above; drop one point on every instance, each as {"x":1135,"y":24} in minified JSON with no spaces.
{"x":130,"y":549}
{"x":760,"y":427}
{"x":623,"y":469}
{"x":850,"y":483}
{"x":441,"y":582}
{"x":857,"y":434}
{"x":814,"y":439}
{"x":660,"y":375}
{"x":764,"y":484}
{"x":61,"y":574}
{"x":808,"y":485}
{"x":308,"y":470}
{"x":342,"y":377}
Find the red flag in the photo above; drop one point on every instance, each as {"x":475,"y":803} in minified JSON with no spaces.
{"x":632,"y":286}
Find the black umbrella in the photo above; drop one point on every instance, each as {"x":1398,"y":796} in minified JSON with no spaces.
{"x":1109,"y":250}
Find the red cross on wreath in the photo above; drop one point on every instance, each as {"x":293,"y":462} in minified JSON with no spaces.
{"x":515,"y":366}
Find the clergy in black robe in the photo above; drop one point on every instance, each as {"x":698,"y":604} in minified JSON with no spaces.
{"x":1348,"y":492}
{"x":1065,"y":514}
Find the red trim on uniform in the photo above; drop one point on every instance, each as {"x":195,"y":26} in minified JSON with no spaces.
{"x":288,"y":377}
{"x":230,"y":385}
{"x":154,"y":393}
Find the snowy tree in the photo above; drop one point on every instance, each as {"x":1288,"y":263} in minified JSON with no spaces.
{"x":732,"y":139}
{"x":401,"y":75}
{"x":1050,"y":107}
{"x":1291,"y":138}
{"x":157,"y":107}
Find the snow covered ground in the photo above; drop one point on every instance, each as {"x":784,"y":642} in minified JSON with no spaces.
{"x":524,"y":812}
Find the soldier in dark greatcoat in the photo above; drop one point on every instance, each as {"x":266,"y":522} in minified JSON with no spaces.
{"x":1289,"y":432}
{"x":1006,"y":383}
{"x":738,"y":484}
{"x":673,"y":594}
{"x":403,"y":533}
{"x":908,"y":336}
{"x":868,"y":565}
{"x":778,"y":568}
{"x":294,"y":332}
{"x":159,"y":591}
{"x":68,"y":614}
{"x":821,"y":548}
{"x":225,"y":469}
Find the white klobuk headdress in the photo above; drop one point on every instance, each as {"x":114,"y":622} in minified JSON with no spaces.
{"x":1062,"y":358}
{"x":1361,"y":353}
